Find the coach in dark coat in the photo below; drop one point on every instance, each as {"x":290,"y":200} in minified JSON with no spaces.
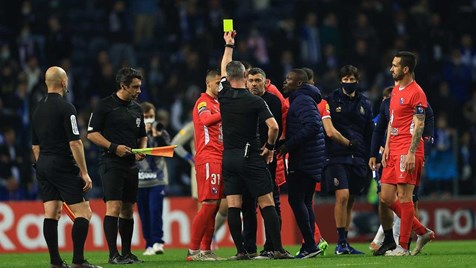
{"x":305,"y":144}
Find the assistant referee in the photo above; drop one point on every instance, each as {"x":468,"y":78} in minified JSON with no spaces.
{"x":117,"y":126}
{"x":61,"y":167}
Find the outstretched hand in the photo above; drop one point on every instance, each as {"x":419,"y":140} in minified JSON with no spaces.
{"x":229,"y":37}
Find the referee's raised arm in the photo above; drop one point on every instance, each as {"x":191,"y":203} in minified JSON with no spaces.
{"x":228,"y":53}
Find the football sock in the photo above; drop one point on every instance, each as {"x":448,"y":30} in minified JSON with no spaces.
{"x":110,"y":231}
{"x":199,"y":224}
{"x":416,"y":224}
{"x":388,"y":236}
{"x":50,"y":232}
{"x":341,"y":234}
{"x":379,"y":236}
{"x":210,"y":213}
{"x":234,"y":224}
{"x":272,"y":226}
{"x":126,"y":229}
{"x":79,"y":234}
{"x":317,"y":233}
{"x":408,"y":213}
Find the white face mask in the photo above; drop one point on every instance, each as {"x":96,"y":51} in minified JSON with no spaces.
{"x":149,"y":120}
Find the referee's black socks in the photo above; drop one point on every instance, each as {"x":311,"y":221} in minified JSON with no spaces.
{"x":272,"y":226}
{"x":79,"y":234}
{"x":50,"y":232}
{"x":126,"y":228}
{"x":110,"y":231}
{"x":234,"y":224}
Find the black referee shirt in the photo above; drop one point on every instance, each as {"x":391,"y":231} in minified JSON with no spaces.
{"x":119,"y":121}
{"x":240,"y":111}
{"x":54,"y":125}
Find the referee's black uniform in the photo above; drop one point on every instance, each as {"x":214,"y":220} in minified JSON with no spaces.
{"x":120,"y":122}
{"x":242,"y":164}
{"x":54,"y":126}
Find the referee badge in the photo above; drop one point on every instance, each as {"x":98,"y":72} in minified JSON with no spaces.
{"x":138,"y":122}
{"x":338,"y":109}
{"x":362,"y":110}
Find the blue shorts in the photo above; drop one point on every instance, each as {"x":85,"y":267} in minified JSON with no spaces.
{"x":345,"y":176}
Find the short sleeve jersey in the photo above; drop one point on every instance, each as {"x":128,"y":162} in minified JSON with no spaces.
{"x":208,"y":139}
{"x":403,"y":104}
{"x":324,"y":109}
{"x":240,"y":111}
{"x":119,"y":121}
{"x":54,"y":125}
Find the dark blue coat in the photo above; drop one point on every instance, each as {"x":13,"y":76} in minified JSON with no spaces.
{"x":352,"y":117}
{"x":304,"y":133}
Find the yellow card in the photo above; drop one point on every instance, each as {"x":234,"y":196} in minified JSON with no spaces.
{"x":227,"y":25}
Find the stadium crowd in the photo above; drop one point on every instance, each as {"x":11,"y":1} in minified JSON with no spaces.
{"x":173,"y":43}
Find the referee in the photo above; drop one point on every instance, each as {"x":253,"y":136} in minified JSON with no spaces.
{"x":117,"y":126}
{"x":243,"y":165}
{"x":60,"y":167}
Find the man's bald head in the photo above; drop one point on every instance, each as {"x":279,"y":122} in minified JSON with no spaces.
{"x":56,"y":79}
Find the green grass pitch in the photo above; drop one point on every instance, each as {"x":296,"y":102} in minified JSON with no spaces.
{"x":436,"y":254}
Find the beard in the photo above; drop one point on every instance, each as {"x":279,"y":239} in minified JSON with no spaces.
{"x":398,"y":76}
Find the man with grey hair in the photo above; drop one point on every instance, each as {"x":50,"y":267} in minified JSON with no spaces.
{"x":244,"y":160}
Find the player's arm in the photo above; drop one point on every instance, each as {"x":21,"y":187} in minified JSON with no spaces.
{"x":228,"y":53}
{"x":36,"y":151}
{"x":76,"y":145}
{"x":182,"y":137}
{"x":386,"y":150}
{"x":209,"y":119}
{"x":268,"y":148}
{"x":332,"y":133}
{"x":419,"y":125}
{"x":95,"y":126}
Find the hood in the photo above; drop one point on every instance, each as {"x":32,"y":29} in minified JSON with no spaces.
{"x":308,"y":90}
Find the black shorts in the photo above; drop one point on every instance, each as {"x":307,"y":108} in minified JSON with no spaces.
{"x":58,"y":179}
{"x":119,"y":181}
{"x":240,"y":172}
{"x":344,"y":176}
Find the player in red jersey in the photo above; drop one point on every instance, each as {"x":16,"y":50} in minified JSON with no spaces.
{"x":208,"y":159}
{"x":403,"y":154}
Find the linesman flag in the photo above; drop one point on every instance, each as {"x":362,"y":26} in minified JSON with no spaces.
{"x":165,"y":151}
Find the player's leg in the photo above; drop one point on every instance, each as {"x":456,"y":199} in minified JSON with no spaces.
{"x":250,"y":223}
{"x":50,"y":229}
{"x":156,"y":204}
{"x":145,"y":218}
{"x":126,"y":217}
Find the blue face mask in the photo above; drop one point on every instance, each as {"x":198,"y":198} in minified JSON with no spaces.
{"x":350,"y":87}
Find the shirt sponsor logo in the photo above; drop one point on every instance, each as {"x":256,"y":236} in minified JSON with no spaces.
{"x":143,"y":175}
{"x":74,"y":125}
{"x":394,"y":131}
{"x":138,"y":122}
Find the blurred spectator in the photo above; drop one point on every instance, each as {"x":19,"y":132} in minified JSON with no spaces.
{"x":310,"y":41}
{"x":33,"y":72}
{"x":144,"y":13}
{"x":458,"y":76}
{"x":467,"y":164}
{"x":58,"y":44}
{"x":121,"y":35}
{"x":441,"y":164}
{"x":11,"y":162}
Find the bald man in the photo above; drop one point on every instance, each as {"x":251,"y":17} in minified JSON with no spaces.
{"x":61,"y":167}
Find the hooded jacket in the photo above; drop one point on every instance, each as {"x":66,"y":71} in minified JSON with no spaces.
{"x":305,"y":139}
